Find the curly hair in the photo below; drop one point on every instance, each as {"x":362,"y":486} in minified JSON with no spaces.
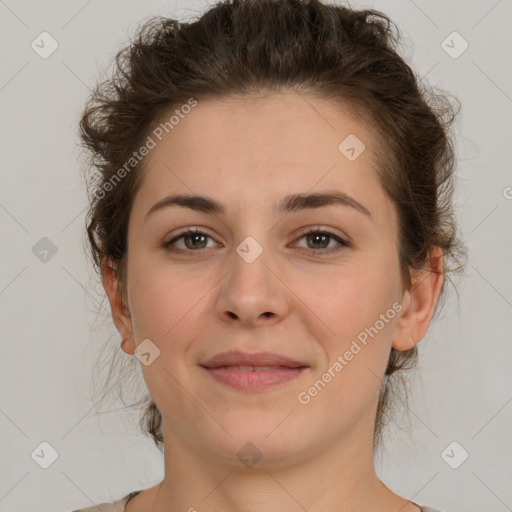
{"x":239,"y":47}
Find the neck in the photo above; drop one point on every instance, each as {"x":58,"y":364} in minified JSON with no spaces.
{"x":341,"y":477}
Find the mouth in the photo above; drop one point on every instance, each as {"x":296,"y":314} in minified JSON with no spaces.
{"x":253,"y":372}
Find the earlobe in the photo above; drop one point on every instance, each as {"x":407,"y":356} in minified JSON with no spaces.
{"x":419,"y":302}
{"x":120,"y":313}
{"x":128,"y":346}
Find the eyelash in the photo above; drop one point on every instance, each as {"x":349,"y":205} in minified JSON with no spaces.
{"x":314,"y":231}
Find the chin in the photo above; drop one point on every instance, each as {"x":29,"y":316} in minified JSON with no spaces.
{"x":262,"y":442}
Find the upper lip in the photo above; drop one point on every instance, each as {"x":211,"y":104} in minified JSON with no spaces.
{"x":237,"y":358}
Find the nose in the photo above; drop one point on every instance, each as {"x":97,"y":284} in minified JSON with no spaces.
{"x":252,"y":292}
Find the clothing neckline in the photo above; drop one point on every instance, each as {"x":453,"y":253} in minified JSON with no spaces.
{"x":135,"y":493}
{"x":131,"y":495}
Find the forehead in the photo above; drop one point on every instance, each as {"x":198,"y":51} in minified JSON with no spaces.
{"x":287,"y":123}
{"x":254,"y":146}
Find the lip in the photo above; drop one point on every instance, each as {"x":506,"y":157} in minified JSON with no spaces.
{"x":238,"y":358}
{"x":282,"y":369}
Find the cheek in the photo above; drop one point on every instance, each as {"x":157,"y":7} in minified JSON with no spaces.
{"x":351,"y":297}
{"x":164,"y":301}
{"x":357,"y":307}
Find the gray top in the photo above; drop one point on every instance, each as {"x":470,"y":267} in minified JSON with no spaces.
{"x":120,"y":505}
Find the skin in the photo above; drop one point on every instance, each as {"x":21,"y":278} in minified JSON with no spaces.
{"x":248,"y":153}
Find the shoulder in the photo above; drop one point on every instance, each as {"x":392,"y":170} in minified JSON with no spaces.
{"x":114,"y":506}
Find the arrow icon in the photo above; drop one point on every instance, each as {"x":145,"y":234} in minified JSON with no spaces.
{"x":249,"y":249}
{"x":351,"y":147}
{"x":44,"y":455}
{"x":454,"y":45}
{"x":147,"y":352}
{"x":454,"y":455}
{"x":44,"y":250}
{"x":44,"y":45}
{"x":249,"y":455}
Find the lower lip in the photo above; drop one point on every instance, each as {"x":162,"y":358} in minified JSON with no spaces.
{"x":254,"y":380}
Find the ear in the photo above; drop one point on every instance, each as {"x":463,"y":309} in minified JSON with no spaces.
{"x":419,"y":302}
{"x":120,"y":313}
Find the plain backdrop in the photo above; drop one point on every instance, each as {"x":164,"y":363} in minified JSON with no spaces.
{"x":462,"y":390}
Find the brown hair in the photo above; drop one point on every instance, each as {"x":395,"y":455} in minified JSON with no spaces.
{"x":239,"y":47}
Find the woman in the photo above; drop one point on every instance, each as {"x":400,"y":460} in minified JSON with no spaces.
{"x":272,"y":223}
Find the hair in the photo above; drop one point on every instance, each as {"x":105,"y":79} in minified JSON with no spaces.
{"x":239,"y":47}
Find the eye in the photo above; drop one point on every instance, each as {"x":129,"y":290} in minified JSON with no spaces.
{"x":195,"y":239}
{"x":322,"y":239}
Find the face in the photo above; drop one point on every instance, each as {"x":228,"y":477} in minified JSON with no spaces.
{"x":253,"y":280}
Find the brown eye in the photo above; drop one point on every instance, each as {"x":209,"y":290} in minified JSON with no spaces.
{"x":192,"y":240}
{"x":320,"y":240}
{"x":317,"y":241}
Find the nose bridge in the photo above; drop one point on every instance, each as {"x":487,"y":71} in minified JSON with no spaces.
{"x":250,"y":274}
{"x":253,"y":244}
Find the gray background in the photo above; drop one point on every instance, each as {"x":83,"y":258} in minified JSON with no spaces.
{"x":51,"y":333}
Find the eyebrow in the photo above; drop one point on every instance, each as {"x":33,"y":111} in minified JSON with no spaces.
{"x":290,"y":203}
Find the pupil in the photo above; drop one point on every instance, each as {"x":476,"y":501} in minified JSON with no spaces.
{"x":319,"y":235}
{"x":194,"y":237}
